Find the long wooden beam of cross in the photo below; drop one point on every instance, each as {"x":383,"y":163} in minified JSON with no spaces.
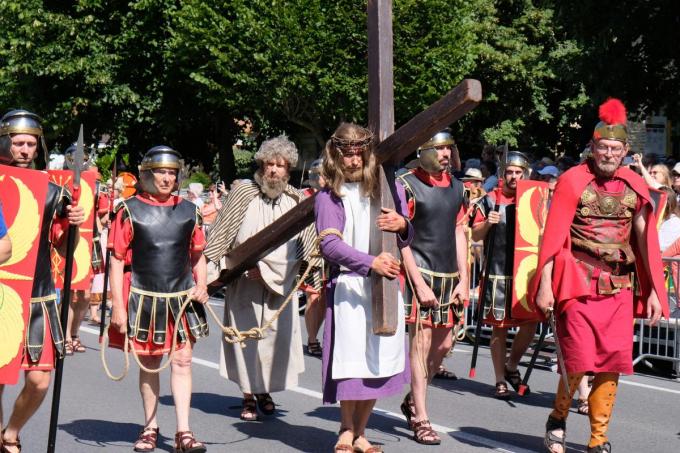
{"x":392,"y":147}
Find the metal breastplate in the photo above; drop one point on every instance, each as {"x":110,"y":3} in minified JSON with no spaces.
{"x":502,"y":255}
{"x":603,"y":223}
{"x":434,"y":223}
{"x":43,"y":284}
{"x":161,"y":261}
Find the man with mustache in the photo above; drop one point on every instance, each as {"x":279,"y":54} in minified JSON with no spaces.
{"x":21,"y":136}
{"x":600,"y":229}
{"x":498,"y":208}
{"x":436,"y":263}
{"x":273,"y":363}
{"x":156,"y":267}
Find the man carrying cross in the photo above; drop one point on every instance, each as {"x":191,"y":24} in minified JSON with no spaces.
{"x":21,"y":136}
{"x":358,"y":366}
{"x":272,"y":363}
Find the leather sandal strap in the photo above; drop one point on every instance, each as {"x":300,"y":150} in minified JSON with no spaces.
{"x":186,"y":439}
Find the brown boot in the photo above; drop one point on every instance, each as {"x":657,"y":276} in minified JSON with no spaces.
{"x":601,"y":403}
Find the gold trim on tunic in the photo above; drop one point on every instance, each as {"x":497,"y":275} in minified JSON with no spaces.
{"x":154,"y":294}
{"x":438,"y":274}
{"x":38,"y":300}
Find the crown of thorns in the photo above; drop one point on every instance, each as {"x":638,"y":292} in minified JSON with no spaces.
{"x":344,"y":143}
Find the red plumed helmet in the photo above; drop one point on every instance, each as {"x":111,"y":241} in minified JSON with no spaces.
{"x":612,"y":111}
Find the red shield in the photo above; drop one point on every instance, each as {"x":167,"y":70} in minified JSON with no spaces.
{"x":532,"y":211}
{"x":82,"y":256}
{"x":22,"y":193}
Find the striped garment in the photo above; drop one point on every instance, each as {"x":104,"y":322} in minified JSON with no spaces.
{"x":229,"y":219}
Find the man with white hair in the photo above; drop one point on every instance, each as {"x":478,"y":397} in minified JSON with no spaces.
{"x":273,"y":363}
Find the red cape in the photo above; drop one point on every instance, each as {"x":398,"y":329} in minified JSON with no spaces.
{"x":568,"y":280}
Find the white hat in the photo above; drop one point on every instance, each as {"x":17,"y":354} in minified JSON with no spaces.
{"x":196,"y":188}
{"x":472,"y":174}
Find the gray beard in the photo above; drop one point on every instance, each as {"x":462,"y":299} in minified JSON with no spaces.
{"x":603,"y":172}
{"x":271,"y":188}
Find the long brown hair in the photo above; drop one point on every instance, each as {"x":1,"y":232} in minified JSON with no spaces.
{"x":350,"y":135}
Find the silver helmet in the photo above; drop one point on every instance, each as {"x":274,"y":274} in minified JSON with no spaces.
{"x":515,"y":159}
{"x":88,"y":155}
{"x":427,"y":153}
{"x":314,"y":173}
{"x":19,"y":122}
{"x":158,"y":157}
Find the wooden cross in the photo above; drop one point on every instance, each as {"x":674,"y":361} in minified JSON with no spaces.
{"x":391,"y":148}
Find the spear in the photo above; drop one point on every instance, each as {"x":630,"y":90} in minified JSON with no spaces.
{"x":107,"y":265}
{"x":480,"y":299}
{"x":78,"y":159}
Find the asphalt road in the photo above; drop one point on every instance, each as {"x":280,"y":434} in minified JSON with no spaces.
{"x":98,"y":414}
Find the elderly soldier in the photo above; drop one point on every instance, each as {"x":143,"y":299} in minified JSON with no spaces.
{"x":436,"y":263}
{"x":600,"y":229}
{"x":498,"y":208}
{"x":273,"y":363}
{"x":21,"y":136}
{"x":157,"y":267}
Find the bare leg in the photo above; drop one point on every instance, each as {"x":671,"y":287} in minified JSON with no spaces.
{"x":180,"y":385}
{"x":418,"y":354}
{"x":441,"y":344}
{"x":36,"y":385}
{"x":347,"y":409}
{"x":314,"y":314}
{"x":498,"y":352}
{"x":76,"y":312}
{"x":361,"y":415}
{"x":520,"y":344}
{"x":149,"y":388}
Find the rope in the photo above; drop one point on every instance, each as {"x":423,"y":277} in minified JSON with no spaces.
{"x":127,"y":347}
{"x":232,"y":335}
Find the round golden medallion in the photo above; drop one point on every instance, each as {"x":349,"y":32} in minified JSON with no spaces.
{"x":585,"y":211}
{"x":608,"y":205}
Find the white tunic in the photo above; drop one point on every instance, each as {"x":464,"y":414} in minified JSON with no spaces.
{"x":357,"y":353}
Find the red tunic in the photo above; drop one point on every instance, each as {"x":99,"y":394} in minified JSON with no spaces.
{"x":119,"y":241}
{"x":595,"y":330}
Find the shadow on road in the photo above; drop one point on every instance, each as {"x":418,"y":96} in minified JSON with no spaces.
{"x":486,"y":390}
{"x":532,"y":443}
{"x":102,"y":434}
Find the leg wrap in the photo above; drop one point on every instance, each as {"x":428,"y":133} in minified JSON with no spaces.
{"x":563,"y":399}
{"x":601,"y":402}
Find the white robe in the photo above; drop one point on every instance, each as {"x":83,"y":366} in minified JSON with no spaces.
{"x":273,"y":363}
{"x":357,"y":352}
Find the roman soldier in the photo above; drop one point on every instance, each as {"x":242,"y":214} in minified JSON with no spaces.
{"x":497,"y":209}
{"x":436,"y":263}
{"x":21,"y":136}
{"x":157,"y":267}
{"x":600,"y":235}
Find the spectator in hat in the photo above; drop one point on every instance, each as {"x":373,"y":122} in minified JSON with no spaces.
{"x":472,"y":180}
{"x":549,"y":174}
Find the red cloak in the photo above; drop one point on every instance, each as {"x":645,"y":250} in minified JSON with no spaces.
{"x":568,"y":282}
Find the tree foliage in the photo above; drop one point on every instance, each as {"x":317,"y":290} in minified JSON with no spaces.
{"x":145,"y":72}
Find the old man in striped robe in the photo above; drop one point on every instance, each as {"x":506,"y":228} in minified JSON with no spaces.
{"x":274,"y":362}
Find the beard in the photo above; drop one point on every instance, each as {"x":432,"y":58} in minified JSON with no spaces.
{"x":353,"y":175}
{"x":605,"y":169}
{"x":271,"y":188}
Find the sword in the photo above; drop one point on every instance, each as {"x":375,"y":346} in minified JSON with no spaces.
{"x":558,"y":350}
{"x":78,"y":160}
{"x":523,"y":387}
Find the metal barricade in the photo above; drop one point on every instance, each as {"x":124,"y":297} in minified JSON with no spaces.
{"x":662,"y":342}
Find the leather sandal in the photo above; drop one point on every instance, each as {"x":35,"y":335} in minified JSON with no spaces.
{"x":249,"y":409}
{"x":9,"y":443}
{"x":443,"y":373}
{"x":514,"y":378}
{"x":265,"y":403}
{"x":501,"y":392}
{"x":314,"y":348}
{"x":602,"y":448}
{"x":343,"y":447}
{"x":185,"y":442}
{"x":68,"y":347}
{"x":551,"y":439}
{"x":424,"y":434}
{"x":148,"y":436}
{"x":77,"y":345}
{"x":358,"y":449}
{"x":582,"y":406}
{"x":408,"y":409}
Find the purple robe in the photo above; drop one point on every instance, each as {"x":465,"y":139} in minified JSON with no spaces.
{"x":330,"y":213}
